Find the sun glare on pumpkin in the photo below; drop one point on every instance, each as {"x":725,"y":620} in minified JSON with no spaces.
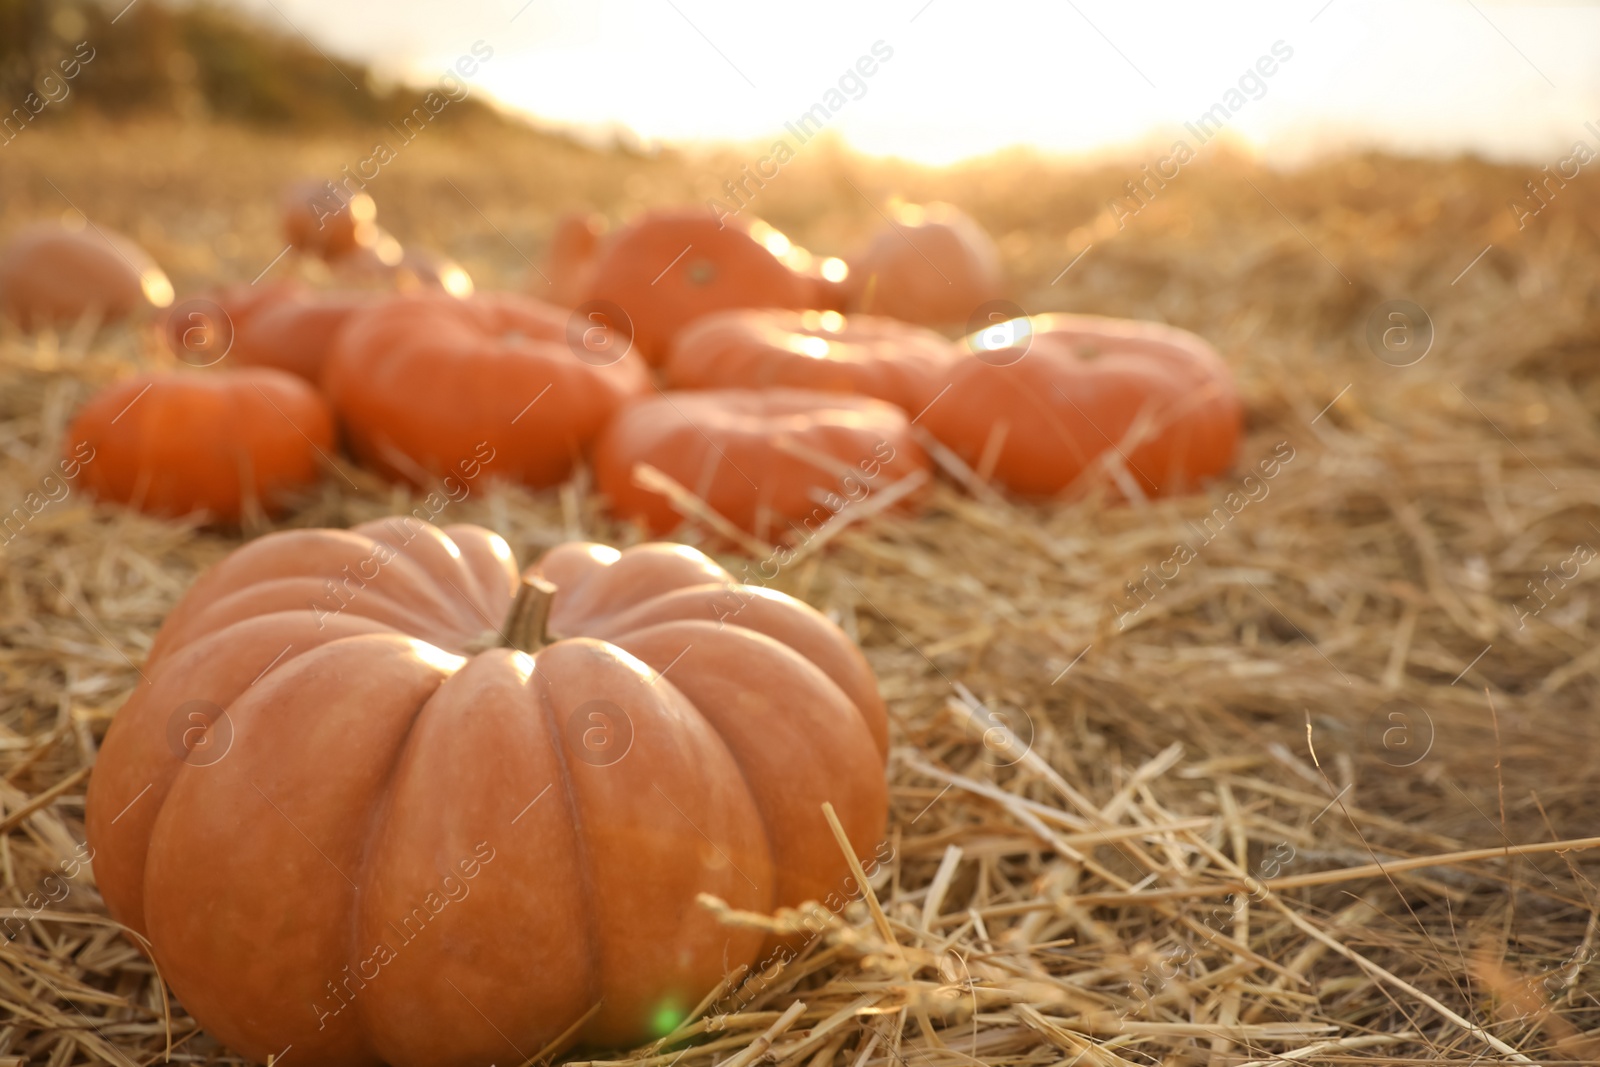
{"x":523,"y":664}
{"x":437,"y":657}
{"x":456,"y":282}
{"x":157,"y":289}
{"x":815,"y":347}
{"x":777,"y":243}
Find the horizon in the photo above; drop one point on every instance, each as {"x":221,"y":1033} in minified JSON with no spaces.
{"x":1504,"y":81}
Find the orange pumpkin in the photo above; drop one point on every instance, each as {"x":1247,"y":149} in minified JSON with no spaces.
{"x":326,"y":220}
{"x":242,"y":300}
{"x":1150,"y":409}
{"x":823,"y":350}
{"x":824,"y":280}
{"x":777,"y":463}
{"x":53,"y":275}
{"x":179,"y":443}
{"x":670,"y":267}
{"x":934,"y":265}
{"x":827,"y":283}
{"x":296,"y":333}
{"x":201,"y":330}
{"x":421,"y":268}
{"x":374,"y":262}
{"x":569,"y":258}
{"x":441,"y":838}
{"x":425,"y":382}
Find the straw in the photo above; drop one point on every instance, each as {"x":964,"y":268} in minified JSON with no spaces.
{"x":1079,"y":775}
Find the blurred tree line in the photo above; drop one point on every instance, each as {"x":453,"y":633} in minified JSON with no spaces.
{"x":194,"y":60}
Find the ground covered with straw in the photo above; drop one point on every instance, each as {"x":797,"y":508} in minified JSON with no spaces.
{"x":1326,"y":796}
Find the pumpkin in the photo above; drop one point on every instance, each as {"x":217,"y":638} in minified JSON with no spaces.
{"x":373,"y":263}
{"x":178,"y":443}
{"x":776,"y":463}
{"x":932,"y":265}
{"x":295,"y":333}
{"x":823,"y":350}
{"x":827,"y":282}
{"x":200,"y":330}
{"x":52,"y":274}
{"x":670,"y":267}
{"x":441,"y":838}
{"x":242,"y":300}
{"x":424,"y":382}
{"x":1150,"y":408}
{"x":325,"y":220}
{"x":569,"y":258}
{"x":421,"y":268}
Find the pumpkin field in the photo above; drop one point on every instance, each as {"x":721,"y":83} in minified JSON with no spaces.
{"x":1248,"y":722}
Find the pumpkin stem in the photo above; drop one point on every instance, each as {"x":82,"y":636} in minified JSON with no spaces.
{"x":528,"y":621}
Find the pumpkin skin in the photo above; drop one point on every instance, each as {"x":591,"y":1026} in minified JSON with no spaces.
{"x":455,"y":786}
{"x":52,"y":275}
{"x":421,"y":268}
{"x":327,"y":221}
{"x":1113,"y":371}
{"x":178,"y":443}
{"x":295,"y":334}
{"x":422,"y":381}
{"x":935,"y":266}
{"x":242,"y":300}
{"x":670,"y":267}
{"x":827,"y":284}
{"x":569,"y":258}
{"x":203,"y":330}
{"x":736,"y":450}
{"x":825,"y":351}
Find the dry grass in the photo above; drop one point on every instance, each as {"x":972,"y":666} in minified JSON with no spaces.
{"x":1044,"y":873}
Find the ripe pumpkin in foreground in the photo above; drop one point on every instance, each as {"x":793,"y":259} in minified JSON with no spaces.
{"x":53,"y":275}
{"x":823,"y":350}
{"x":670,"y":267}
{"x":185,"y":442}
{"x":1150,"y":409}
{"x":422,"y":383}
{"x":434,"y":855}
{"x":776,"y":463}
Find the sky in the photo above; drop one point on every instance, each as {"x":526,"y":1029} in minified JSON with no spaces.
{"x":963,"y":78}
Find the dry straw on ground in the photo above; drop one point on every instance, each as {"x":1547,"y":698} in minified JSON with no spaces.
{"x":1340,"y":695}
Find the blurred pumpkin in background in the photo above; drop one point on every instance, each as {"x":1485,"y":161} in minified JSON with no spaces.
{"x":1040,"y":403}
{"x":201,"y":330}
{"x":569,"y":258}
{"x":296,"y":333}
{"x":824,"y":279}
{"x":322,"y":219}
{"x":225,"y":444}
{"x":422,"y":268}
{"x":386,"y":264}
{"x":55,"y":273}
{"x":932,"y":264}
{"x":424,"y":382}
{"x":669,"y":267}
{"x":868,"y":355}
{"x":775,"y":463}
